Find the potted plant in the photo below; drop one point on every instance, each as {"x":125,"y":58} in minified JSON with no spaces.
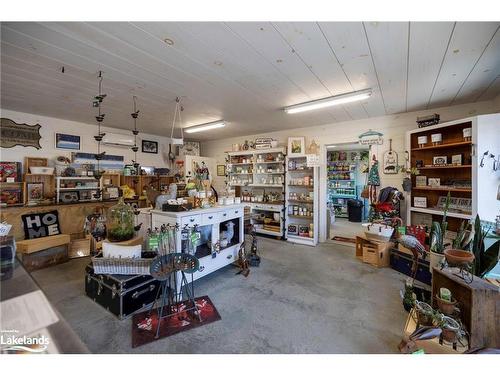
{"x":484,"y":258}
{"x":407,"y":184}
{"x":425,"y":313}
{"x":438,"y":231}
{"x":451,"y":329}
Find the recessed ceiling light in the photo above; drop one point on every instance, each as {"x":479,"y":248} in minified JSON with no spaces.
{"x":279,"y":61}
{"x":218,"y":63}
{"x":204,"y":127}
{"x":169,"y":41}
{"x":330,"y":101}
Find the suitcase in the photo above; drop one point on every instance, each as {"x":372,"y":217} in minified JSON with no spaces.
{"x":121,"y":295}
{"x":402,"y":262}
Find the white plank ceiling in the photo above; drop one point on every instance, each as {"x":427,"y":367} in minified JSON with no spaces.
{"x":244,"y":73}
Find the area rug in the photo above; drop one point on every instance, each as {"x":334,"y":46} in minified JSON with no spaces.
{"x":144,"y":325}
{"x":344,"y":239}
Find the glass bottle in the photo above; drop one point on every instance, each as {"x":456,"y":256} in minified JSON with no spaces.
{"x":120,"y":222}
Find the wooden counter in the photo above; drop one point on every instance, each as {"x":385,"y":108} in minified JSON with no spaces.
{"x":71,"y":216}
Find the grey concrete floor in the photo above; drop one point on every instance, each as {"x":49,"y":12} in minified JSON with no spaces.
{"x":300,"y":300}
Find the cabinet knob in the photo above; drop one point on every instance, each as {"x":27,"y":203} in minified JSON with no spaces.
{"x":224,"y":214}
{"x":201,"y":268}
{"x":229,"y":256}
{"x":191,"y":220}
{"x":210,"y":217}
{"x":236,"y":212}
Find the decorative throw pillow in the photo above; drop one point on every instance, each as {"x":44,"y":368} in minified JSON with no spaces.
{"x":41,"y":224}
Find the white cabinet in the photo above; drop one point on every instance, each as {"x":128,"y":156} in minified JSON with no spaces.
{"x":211,"y":223}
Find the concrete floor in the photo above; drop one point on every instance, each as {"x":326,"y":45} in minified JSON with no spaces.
{"x":300,"y":300}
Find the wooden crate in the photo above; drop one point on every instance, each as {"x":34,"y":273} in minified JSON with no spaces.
{"x":80,"y":245}
{"x":432,"y":346}
{"x":44,"y":258}
{"x":376,"y":253}
{"x":479,"y":304}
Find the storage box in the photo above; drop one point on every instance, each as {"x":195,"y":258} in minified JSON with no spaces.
{"x":402,"y":262}
{"x":376,"y":253}
{"x":479,"y":303}
{"x":121,"y":295}
{"x":44,"y":258}
{"x":79,"y":246}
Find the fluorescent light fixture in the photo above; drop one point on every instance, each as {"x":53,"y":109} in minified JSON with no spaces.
{"x":203,"y":127}
{"x":330,"y":101}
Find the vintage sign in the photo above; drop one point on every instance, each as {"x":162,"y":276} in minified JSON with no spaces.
{"x":13,"y":134}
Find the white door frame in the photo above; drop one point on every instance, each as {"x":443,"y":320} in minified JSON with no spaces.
{"x":323,"y":185}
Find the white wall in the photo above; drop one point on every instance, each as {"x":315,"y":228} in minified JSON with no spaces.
{"x":51,"y":125}
{"x":488,"y":139}
{"x":393,"y":126}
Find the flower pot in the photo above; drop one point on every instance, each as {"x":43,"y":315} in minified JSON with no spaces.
{"x":451,"y":331}
{"x":435,"y":260}
{"x":446,"y":307}
{"x":407,"y":184}
{"x":425,"y":314}
{"x":458,"y":257}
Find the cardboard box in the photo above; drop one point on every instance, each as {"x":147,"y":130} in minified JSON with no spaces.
{"x":376,"y":253}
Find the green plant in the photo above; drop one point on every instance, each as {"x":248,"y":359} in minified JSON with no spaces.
{"x":485,"y":259}
{"x":438,"y":230}
{"x":463,"y":239}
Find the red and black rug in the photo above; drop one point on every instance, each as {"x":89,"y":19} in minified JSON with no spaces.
{"x":144,"y":325}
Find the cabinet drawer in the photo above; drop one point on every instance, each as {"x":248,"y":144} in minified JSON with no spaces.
{"x":233,"y":212}
{"x":191,"y":220}
{"x":209,"y":264}
{"x":209,"y":219}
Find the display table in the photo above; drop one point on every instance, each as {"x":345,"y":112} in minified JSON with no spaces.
{"x":211,"y":222}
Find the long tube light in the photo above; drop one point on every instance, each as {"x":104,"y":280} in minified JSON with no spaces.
{"x":207,"y":126}
{"x":330,"y":101}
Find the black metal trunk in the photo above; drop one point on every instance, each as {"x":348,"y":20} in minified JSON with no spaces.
{"x":121,"y":295}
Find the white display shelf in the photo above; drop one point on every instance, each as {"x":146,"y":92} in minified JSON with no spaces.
{"x":434,"y":211}
{"x":310,"y":204}
{"x":80,"y":188}
{"x":265,"y":185}
{"x":270,"y":162}
{"x":268,"y":173}
{"x":76,"y":178}
{"x":268,"y":232}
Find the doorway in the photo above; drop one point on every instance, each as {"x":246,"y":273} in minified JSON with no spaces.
{"x":346,"y":172}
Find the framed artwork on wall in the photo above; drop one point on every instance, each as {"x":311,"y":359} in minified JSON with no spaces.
{"x":149,"y":147}
{"x":296,"y":145}
{"x":67,"y":141}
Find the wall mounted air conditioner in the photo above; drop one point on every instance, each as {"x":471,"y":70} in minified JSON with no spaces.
{"x":115,"y":139}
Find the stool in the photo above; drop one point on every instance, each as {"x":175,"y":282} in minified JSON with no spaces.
{"x":164,"y":269}
{"x":43,"y":252}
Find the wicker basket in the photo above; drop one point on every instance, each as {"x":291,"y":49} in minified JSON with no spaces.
{"x":123,"y":266}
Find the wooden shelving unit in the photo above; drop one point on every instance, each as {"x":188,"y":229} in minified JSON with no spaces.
{"x":453,"y":144}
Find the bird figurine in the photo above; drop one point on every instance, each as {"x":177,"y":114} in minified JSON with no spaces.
{"x":411,"y":242}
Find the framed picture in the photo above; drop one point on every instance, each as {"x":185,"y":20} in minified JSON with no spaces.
{"x":434,"y":181}
{"x":34,"y":191}
{"x":440,"y":160}
{"x":221,"y":170}
{"x":296,"y":145}
{"x":10,"y":171}
{"x":456,"y":159}
{"x":420,"y":202}
{"x":67,"y":141}
{"x":420,"y":181}
{"x":149,"y":147}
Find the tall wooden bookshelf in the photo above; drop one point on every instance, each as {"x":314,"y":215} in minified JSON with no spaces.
{"x":456,"y":178}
